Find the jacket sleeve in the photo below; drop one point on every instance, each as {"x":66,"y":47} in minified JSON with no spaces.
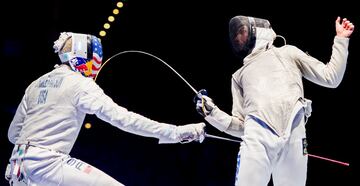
{"x":236,"y":127}
{"x":230,"y":124}
{"x":91,"y":99}
{"x":329,"y":74}
{"x":18,"y":121}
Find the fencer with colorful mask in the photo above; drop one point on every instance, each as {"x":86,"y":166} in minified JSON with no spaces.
{"x":52,"y":111}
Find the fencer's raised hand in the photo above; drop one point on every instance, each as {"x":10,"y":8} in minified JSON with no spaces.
{"x":204,"y":104}
{"x":191,"y":132}
{"x":345,"y":28}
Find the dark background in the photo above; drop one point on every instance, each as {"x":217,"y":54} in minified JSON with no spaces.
{"x":193,"y":39}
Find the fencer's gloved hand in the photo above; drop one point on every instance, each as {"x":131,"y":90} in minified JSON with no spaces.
{"x":204,"y":104}
{"x":190,"y":132}
{"x":211,"y":113}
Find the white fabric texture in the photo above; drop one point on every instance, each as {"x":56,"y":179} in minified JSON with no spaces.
{"x":50,"y":168}
{"x":50,"y":117}
{"x":268,"y":88}
{"x":262,"y":153}
{"x":58,"y":101}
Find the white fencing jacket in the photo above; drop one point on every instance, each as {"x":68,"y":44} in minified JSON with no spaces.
{"x":270,"y":82}
{"x":54,"y":106}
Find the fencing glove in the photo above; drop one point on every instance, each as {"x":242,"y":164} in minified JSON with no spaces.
{"x":207,"y":108}
{"x":185,"y":134}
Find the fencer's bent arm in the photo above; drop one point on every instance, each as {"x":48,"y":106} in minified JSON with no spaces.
{"x":17,"y":122}
{"x":92,"y":100}
{"x":233,"y":125}
{"x":236,"y":127}
{"x":225,"y":123}
{"x":329,"y":74}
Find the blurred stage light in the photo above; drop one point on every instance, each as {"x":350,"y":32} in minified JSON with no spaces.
{"x":119,"y":4}
{"x":116,"y":11}
{"x":111,"y":18}
{"x":87,"y":125}
{"x":102,"y":33}
{"x":106,"y":25}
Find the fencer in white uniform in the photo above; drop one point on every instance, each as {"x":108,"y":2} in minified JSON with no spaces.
{"x":269,"y":109}
{"x":51,"y":113}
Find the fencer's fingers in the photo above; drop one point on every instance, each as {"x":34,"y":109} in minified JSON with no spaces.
{"x":337,"y":21}
{"x":201,"y":133}
{"x":201,"y":138}
{"x":199,"y":109}
{"x":199,"y":103}
{"x":350,"y":26}
{"x":343,"y":22}
{"x":347,"y":23}
{"x":347,"y":26}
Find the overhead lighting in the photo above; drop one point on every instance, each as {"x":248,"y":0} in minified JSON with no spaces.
{"x":119,"y":4}
{"x":116,"y":11}
{"x":111,"y":18}
{"x":102,"y":33}
{"x":87,"y":125}
{"x":106,"y":25}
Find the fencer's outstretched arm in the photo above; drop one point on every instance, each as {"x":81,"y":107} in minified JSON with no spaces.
{"x":331,"y":73}
{"x":91,"y":99}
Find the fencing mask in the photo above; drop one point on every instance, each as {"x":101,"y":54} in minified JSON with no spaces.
{"x":244,"y":33}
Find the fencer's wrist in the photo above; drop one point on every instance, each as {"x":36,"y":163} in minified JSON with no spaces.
{"x":212,"y":111}
{"x":219,"y":119}
{"x":203,"y":109}
{"x":340,"y":37}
